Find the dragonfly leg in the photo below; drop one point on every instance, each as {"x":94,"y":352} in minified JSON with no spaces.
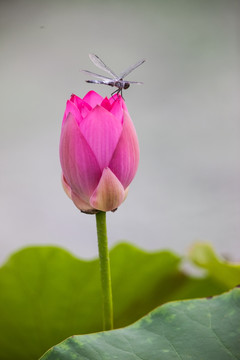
{"x":121,"y":91}
{"x":117,"y":92}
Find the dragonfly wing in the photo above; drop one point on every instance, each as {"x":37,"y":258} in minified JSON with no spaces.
{"x":135,"y":82}
{"x":96,"y":75}
{"x":131,"y":68}
{"x":105,"y":82}
{"x":100,"y":64}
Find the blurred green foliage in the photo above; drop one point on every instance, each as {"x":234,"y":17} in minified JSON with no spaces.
{"x":47,"y":295}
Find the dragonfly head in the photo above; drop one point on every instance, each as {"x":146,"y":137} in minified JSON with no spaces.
{"x":126,"y":85}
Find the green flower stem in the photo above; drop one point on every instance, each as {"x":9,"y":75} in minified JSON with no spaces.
{"x":105,"y":270}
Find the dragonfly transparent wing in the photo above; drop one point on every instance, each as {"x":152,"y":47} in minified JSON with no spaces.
{"x":105,"y":82}
{"x":130,"y":69}
{"x":100,"y":64}
{"x":96,"y":75}
{"x":135,"y":82}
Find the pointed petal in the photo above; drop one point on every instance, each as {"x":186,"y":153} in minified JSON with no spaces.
{"x":106,"y":104}
{"x":124,"y":162}
{"x":66,"y":187}
{"x":109,"y":193}
{"x":102,"y":132}
{"x":72,"y":108}
{"x":117,"y":109}
{"x":83,"y":107}
{"x":79,"y":164}
{"x":126,"y":193}
{"x":114,"y":97}
{"x":80,"y":204}
{"x":93,"y":99}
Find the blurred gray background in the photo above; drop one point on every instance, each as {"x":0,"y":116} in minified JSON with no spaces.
{"x":186,"y":115}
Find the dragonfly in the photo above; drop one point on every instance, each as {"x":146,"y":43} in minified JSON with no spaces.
{"x":115,"y":80}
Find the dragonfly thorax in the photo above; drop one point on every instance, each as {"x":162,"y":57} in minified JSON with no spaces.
{"x":121,"y":84}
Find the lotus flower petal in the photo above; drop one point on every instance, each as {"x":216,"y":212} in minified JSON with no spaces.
{"x":93,"y":99}
{"x":109,"y":193}
{"x":79,"y":164}
{"x":80,"y":204}
{"x":117,"y":109}
{"x":124,"y":162}
{"x":72,"y":108}
{"x":102,"y":132}
{"x":83,"y":107}
{"x":106,"y":104}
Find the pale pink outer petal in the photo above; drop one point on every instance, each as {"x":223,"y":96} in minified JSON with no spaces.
{"x":80,"y":204}
{"x":124,"y":162}
{"x":66,"y":187}
{"x":102,"y":132}
{"x":93,"y":98}
{"x":126,"y":193}
{"x":79,"y":164}
{"x":109,"y":193}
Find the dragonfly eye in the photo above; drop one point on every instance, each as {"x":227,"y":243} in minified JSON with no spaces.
{"x":126,"y":85}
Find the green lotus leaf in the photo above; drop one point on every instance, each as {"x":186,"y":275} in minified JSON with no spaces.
{"x":190,"y":329}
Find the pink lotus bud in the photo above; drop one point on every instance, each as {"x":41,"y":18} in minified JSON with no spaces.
{"x":99,"y":152}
